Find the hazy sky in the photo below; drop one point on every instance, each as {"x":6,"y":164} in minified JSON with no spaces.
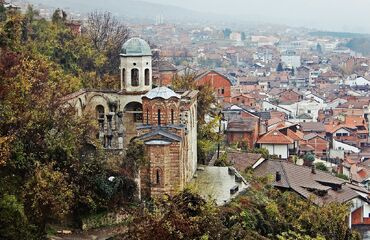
{"x":338,"y":15}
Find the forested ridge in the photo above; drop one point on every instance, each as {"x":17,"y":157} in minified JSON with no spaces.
{"x":52,"y":168}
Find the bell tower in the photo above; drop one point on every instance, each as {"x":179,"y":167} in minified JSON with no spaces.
{"x":136,"y":66}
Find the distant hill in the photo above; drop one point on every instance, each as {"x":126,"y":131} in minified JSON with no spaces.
{"x":360,"y":45}
{"x":131,"y":9}
{"x":338,"y":34}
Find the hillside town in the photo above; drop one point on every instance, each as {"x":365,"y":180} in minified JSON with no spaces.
{"x":223,"y":111}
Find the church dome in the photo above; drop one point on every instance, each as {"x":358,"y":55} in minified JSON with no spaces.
{"x":161,"y":92}
{"x":136,"y":47}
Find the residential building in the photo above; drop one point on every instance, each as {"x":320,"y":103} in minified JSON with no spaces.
{"x":220,"y":83}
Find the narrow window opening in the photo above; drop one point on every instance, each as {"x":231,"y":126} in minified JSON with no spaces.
{"x":135,"y":77}
{"x":158,"y":177}
{"x":147,"y":117}
{"x":147,"y":75}
{"x":159,"y":117}
{"x":123,"y":76}
{"x":172,"y":116}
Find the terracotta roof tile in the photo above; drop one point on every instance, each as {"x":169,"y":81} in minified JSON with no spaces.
{"x":275,"y":137}
{"x":242,"y":160}
{"x":301,"y":180}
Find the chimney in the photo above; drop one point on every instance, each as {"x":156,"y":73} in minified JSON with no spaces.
{"x":278,"y":176}
{"x":313,"y":169}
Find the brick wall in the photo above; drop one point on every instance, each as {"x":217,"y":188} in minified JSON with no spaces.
{"x":220,"y":84}
{"x":320,"y":145}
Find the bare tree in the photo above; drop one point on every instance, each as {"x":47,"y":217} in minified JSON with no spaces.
{"x":107,"y":34}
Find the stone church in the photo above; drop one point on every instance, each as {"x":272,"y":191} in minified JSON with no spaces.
{"x":166,"y":121}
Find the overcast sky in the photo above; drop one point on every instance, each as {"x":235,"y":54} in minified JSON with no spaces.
{"x":338,"y":15}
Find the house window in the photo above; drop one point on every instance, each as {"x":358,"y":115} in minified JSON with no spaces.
{"x":135,"y":77}
{"x":172,"y":116}
{"x":147,"y":75}
{"x":159,"y":117}
{"x":308,"y":111}
{"x":222,"y":91}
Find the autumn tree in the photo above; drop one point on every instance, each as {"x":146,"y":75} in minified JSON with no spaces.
{"x":2,"y":12}
{"x":13,"y":220}
{"x":59,"y":16}
{"x":107,"y":34}
{"x":50,"y":158}
{"x":48,"y":195}
{"x":206,"y":96}
{"x":185,"y":216}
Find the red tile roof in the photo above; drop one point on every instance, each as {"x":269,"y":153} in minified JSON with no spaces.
{"x":275,"y":137}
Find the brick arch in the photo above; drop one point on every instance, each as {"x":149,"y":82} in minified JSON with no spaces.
{"x":175,"y":108}
{"x":163,"y":108}
{"x":95,"y":100}
{"x":97,"y":95}
{"x":132,"y":103}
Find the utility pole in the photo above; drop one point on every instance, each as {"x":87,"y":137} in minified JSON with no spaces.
{"x":219,"y":135}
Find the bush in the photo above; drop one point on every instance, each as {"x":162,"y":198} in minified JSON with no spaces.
{"x":342,"y":176}
{"x":321,"y":166}
{"x":13,"y":221}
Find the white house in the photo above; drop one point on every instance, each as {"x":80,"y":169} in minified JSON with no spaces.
{"x":276,"y":143}
{"x":360,"y":81}
{"x":345,"y":147}
{"x":305,"y":107}
{"x":268,"y":106}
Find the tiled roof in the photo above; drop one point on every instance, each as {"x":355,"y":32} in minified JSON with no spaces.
{"x":242,"y":160}
{"x":200,"y":76}
{"x":311,"y":135}
{"x":162,"y":135}
{"x":306,"y":147}
{"x":275,"y":137}
{"x":312,"y":127}
{"x":164,"y":66}
{"x":301,"y":180}
{"x":264,"y":115}
{"x":332,"y":128}
{"x":296,"y":136}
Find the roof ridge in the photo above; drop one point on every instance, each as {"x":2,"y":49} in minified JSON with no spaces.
{"x":285,"y":174}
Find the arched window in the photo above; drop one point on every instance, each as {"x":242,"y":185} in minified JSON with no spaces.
{"x":159,"y":117}
{"x":124,"y":76}
{"x":99,"y":112}
{"x":135,"y":77}
{"x":158,"y":177}
{"x":147,"y":76}
{"x":172,"y":116}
